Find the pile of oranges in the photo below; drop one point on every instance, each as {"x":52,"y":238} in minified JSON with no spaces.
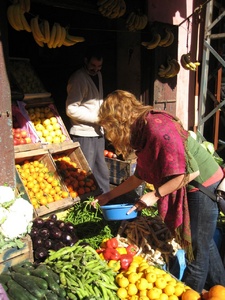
{"x":41,"y":185}
{"x":77,"y":180}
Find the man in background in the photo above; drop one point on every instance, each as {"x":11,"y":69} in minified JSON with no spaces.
{"x":84,"y":97}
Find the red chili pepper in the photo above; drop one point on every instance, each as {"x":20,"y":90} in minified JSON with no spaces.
{"x":131,"y":249}
{"x":111,"y":254}
{"x":100,"y":250}
{"x":125,"y":261}
{"x":111,"y":243}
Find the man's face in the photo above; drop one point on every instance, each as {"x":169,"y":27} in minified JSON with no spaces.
{"x":93,"y":66}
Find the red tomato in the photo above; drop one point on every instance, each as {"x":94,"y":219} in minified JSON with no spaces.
{"x":106,"y":152}
{"x":110,"y":154}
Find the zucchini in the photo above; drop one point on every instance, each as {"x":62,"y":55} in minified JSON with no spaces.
{"x":27,"y":283}
{"x":16,"y":291}
{"x":4,"y":278}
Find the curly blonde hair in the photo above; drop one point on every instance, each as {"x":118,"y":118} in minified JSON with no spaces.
{"x":118,"y":112}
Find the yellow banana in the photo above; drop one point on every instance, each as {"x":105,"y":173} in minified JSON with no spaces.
{"x":170,"y":41}
{"x":46,"y":31}
{"x":17,"y":16}
{"x":192,"y":65}
{"x":37,"y":29}
{"x":154,"y":42}
{"x":25,"y":5}
{"x":63,"y":36}
{"x":52,"y":36}
{"x":57,"y":36}
{"x":73,"y":38}
{"x":10,"y":17}
{"x":108,"y":4}
{"x":143,"y":22}
{"x":123,"y":8}
{"x":26,"y":25}
{"x":36,"y":38}
{"x":184,"y":62}
{"x":174,"y":69}
{"x":166,"y":38}
{"x":67,"y":42}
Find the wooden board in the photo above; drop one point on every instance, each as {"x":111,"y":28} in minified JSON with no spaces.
{"x":13,"y":256}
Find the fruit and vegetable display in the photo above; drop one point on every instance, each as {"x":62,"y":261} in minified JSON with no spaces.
{"x":77,"y":180}
{"x":41,"y":181}
{"x":43,"y":33}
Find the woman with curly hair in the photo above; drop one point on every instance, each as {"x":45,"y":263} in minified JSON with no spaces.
{"x":169,"y":158}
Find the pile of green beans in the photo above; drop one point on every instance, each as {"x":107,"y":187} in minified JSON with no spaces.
{"x":89,"y":223}
{"x":83,"y":273}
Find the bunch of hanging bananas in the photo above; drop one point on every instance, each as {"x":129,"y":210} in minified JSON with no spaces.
{"x":157,"y":40}
{"x":187,"y":64}
{"x":53,"y":37}
{"x":16,"y":17}
{"x":169,"y":70}
{"x":112,"y":9}
{"x":136,"y":21}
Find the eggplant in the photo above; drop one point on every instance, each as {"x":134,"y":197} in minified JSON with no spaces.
{"x":49,"y":223}
{"x":44,"y":233}
{"x":55,"y":233}
{"x":48,"y":244}
{"x":37,"y":242}
{"x":53,"y":217}
{"x":58,"y":245}
{"x":73,"y":241}
{"x":69,"y":227}
{"x":60,"y":224}
{"x":67,"y":238}
{"x":34,"y":232}
{"x":40,"y":253}
{"x":38,"y":222}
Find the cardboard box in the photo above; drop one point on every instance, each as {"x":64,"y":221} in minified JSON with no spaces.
{"x":13,"y":256}
{"x":74,"y":152}
{"x":120,"y":170}
{"x":45,"y":157}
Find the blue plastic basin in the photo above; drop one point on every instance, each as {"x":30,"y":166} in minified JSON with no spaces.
{"x":117,"y":212}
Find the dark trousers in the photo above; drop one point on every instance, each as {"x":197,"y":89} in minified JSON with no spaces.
{"x":93,"y":149}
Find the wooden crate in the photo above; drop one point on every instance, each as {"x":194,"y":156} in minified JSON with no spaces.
{"x":74,"y":152}
{"x":13,"y":256}
{"x":120,"y":170}
{"x":48,"y":103}
{"x":45,"y":157}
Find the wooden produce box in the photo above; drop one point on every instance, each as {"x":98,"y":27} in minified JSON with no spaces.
{"x":40,"y":112}
{"x":75,"y":155}
{"x":13,"y":256}
{"x":120,"y":170}
{"x":43,"y":156}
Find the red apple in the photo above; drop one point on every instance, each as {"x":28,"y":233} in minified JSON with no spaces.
{"x":16,"y":142}
{"x":17,"y":135}
{"x":23,"y":133}
{"x":18,"y":130}
{"x":22,"y":141}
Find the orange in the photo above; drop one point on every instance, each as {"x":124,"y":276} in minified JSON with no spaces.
{"x":217,"y":291}
{"x":190,"y":295}
{"x":215,"y":298}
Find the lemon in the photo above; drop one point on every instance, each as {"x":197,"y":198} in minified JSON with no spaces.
{"x":132,"y":289}
{"x":122,"y":282}
{"x":133,"y":277}
{"x":121,"y":293}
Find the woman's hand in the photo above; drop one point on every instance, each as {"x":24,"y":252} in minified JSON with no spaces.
{"x":101,"y":200}
{"x":146,"y":200}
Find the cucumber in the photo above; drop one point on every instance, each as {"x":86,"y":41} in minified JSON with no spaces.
{"x":27,"y":283}
{"x":40,"y":282}
{"x":20,"y":269}
{"x":45,"y":273}
{"x":51,"y":296}
{"x":16,"y":291}
{"x":4,"y":278}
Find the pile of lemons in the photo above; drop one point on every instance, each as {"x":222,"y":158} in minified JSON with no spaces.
{"x":142,"y":281}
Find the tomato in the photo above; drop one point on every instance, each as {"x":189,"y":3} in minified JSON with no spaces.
{"x":110,"y":154}
{"x":106,"y":152}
